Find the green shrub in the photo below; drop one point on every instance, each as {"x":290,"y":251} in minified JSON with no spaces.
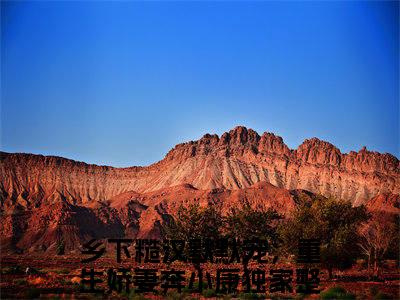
{"x":338,"y":293}
{"x":382,"y":296}
{"x":12,"y":270}
{"x":20,"y":281}
{"x":251,"y":296}
{"x":374,"y":290}
{"x":174,"y":295}
{"x":300,"y":296}
{"x":195,"y":288}
{"x":280,"y":296}
{"x":60,"y":247}
{"x":137,"y":297}
{"x":319,"y":219}
{"x":62,"y":271}
{"x":208,"y":293}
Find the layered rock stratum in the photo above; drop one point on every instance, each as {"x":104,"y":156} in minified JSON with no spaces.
{"x":45,"y":198}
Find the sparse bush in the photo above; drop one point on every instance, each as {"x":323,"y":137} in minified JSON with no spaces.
{"x":208,"y":293}
{"x":300,"y":296}
{"x":383,"y":296}
{"x":195,"y":288}
{"x":251,"y":296}
{"x":136,"y":296}
{"x":194,"y":221}
{"x":337,"y":293}
{"x":247,"y":223}
{"x":280,"y":297}
{"x":12,"y":270}
{"x":20,"y":281}
{"x":174,"y":295}
{"x":60,"y":247}
{"x":377,"y":239}
{"x":373,"y":290}
{"x":62,"y":271}
{"x":331,"y":221}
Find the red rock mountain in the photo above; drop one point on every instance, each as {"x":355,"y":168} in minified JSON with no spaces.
{"x":46,"y":197}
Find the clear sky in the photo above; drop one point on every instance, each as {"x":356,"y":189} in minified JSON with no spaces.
{"x":120,"y":83}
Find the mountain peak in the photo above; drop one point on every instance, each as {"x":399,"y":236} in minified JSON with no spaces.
{"x":236,"y":142}
{"x":237,"y":159}
{"x":228,"y":170}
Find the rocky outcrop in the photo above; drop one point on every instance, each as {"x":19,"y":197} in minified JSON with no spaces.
{"x":389,"y":203}
{"x":63,"y":199}
{"x":130,"y":215}
{"x":237,"y":159}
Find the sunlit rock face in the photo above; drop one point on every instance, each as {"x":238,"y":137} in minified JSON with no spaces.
{"x":45,"y":198}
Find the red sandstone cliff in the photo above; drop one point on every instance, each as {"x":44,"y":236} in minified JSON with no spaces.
{"x":235,"y":160}
{"x":44,"y":198}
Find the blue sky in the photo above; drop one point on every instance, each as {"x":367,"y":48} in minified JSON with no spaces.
{"x":120,"y":83}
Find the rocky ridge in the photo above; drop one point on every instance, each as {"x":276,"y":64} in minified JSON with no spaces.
{"x":237,"y":159}
{"x":46,"y":198}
